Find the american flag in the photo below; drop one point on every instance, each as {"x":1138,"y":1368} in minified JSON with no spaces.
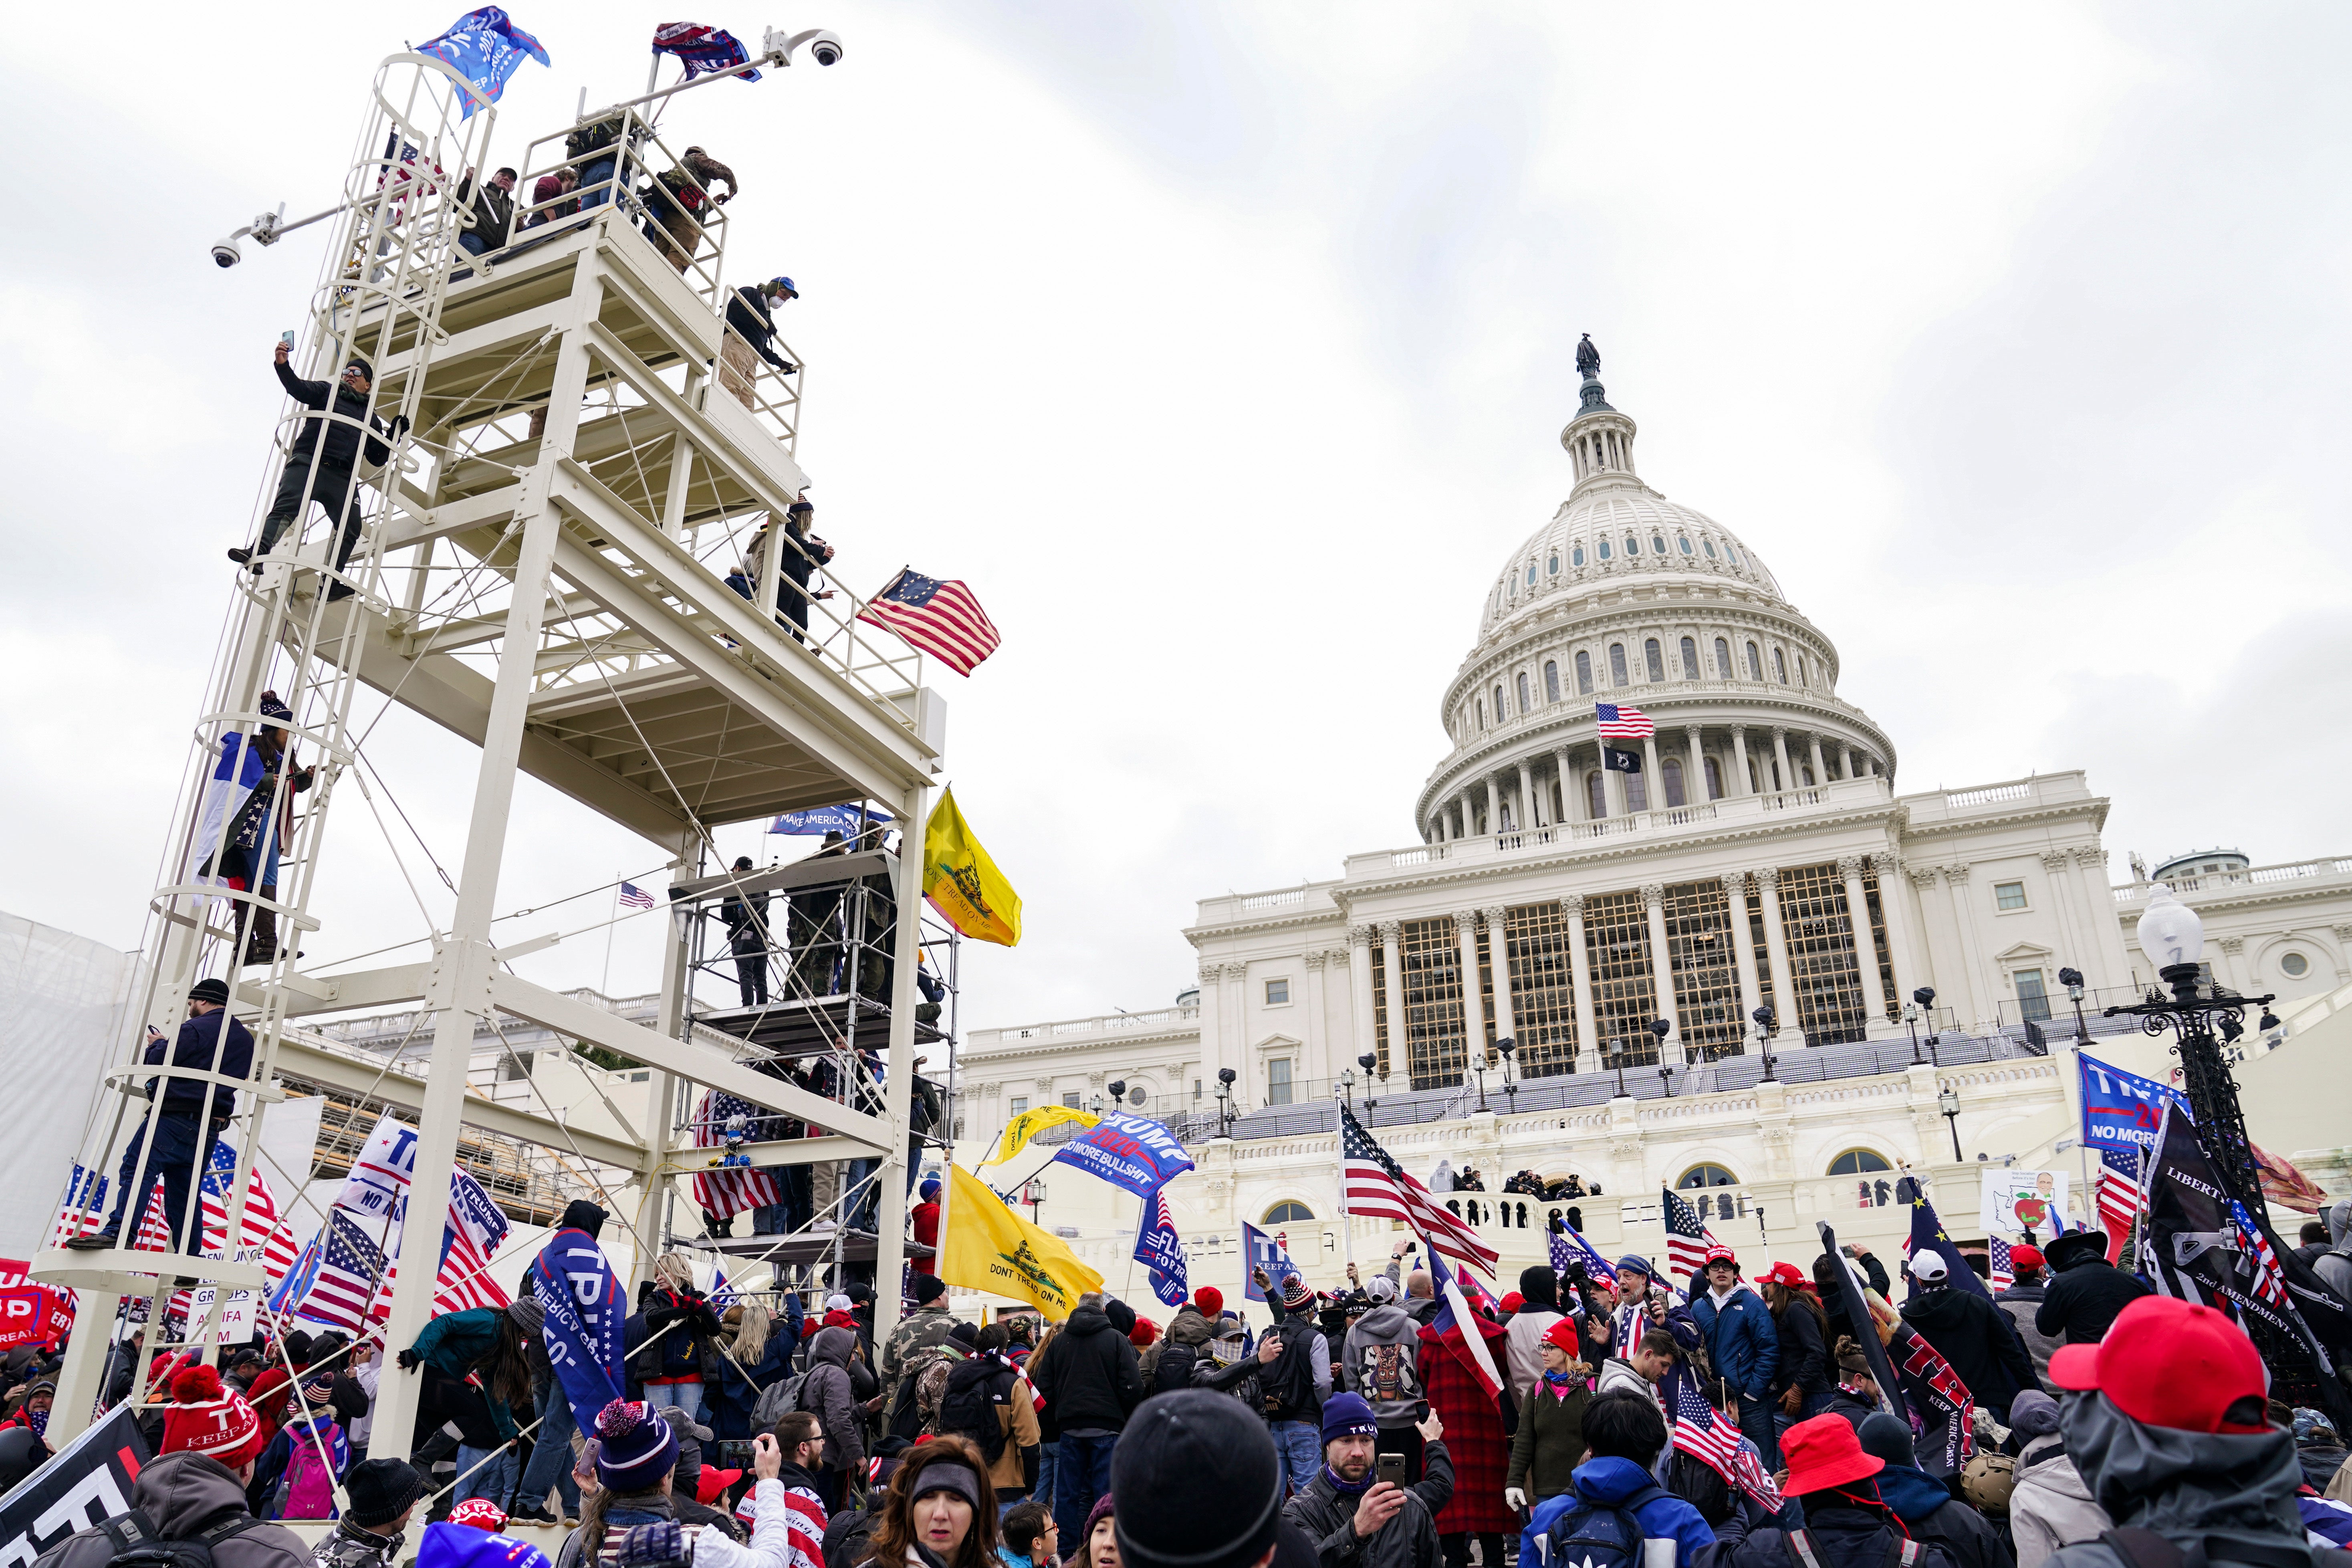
{"x":265,"y":1235}
{"x":724,"y":1193}
{"x":803,"y":1522}
{"x":1623,"y":724}
{"x":2004,"y":1272}
{"x":2119,"y":1195}
{"x":84,"y":1208}
{"x":635,"y":897}
{"x":1569,"y":1245}
{"x":1375,"y":1185}
{"x":941,"y":618}
{"x":350,"y":1268}
{"x":1701,"y":1431}
{"x":2270,"y":1282}
{"x":1686,"y":1238}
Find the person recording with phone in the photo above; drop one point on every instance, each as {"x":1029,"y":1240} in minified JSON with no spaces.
{"x":1356,"y":1509}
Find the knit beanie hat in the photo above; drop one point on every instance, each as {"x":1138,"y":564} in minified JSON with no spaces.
{"x":1296,"y":1292}
{"x":1347,"y":1413}
{"x":204,"y":1417}
{"x":929,"y":1287}
{"x":480,"y":1513}
{"x":317,"y":1389}
{"x":1198,"y":1483}
{"x":1562,"y":1334}
{"x":529,"y":1316}
{"x":1210,"y":1300}
{"x":1143,"y":1334}
{"x":381,"y":1490}
{"x":634,"y":1447}
{"x":1121,"y":1316}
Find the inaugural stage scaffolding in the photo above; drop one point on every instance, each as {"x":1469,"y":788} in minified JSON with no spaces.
{"x":541,"y":573}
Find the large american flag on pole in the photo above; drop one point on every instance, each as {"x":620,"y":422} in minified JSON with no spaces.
{"x":1620,"y":723}
{"x":1376,"y":1185}
{"x":351,"y":1269}
{"x":1701,"y":1431}
{"x":263,"y":1233}
{"x":728,"y":1190}
{"x":475,"y":1229}
{"x":1687,"y":1239}
{"x":941,"y":618}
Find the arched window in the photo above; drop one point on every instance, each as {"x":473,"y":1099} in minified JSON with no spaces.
{"x":1596,"y":796}
{"x":1553,"y":569}
{"x":1714,"y":779}
{"x":1658,"y":543}
{"x":1551,"y":680}
{"x":1633,"y":547}
{"x":1499,"y":709}
{"x":1779,"y":667}
{"x":1287,"y":1212}
{"x":1531,"y":574}
{"x":1637,"y":792}
{"x":1482,"y":712}
{"x":1722,"y":658}
{"x":1755,"y":664}
{"x":1854,"y":1161}
{"x":1705,"y":1177}
{"x":1576,"y":556}
{"x":1583,"y":673}
{"x":1730,"y":552}
{"x":1602,"y":545}
{"x":1522,"y":691}
{"x":1690,"y":659}
{"x":1653,"y":660}
{"x":1673,"y":770}
{"x":1684,"y":540}
{"x":1617,"y":663}
{"x":1800,"y":671}
{"x":1709,"y":543}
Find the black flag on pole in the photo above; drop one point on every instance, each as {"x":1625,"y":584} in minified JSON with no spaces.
{"x":1857,"y":1313}
{"x":1621,"y":762}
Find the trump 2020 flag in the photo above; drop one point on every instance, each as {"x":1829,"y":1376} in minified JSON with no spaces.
{"x":585,"y":1311}
{"x":963,"y":883}
{"x":1159,"y":1250}
{"x":378,"y":1183}
{"x":701,"y":49}
{"x":486,"y":47}
{"x":1127,"y":1151}
{"x":1263,"y":1252}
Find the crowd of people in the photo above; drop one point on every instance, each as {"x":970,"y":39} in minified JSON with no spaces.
{"x":1722,"y":1422}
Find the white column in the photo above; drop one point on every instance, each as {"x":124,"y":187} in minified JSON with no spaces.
{"x":1214,"y":1052}
{"x":1573,"y":803}
{"x":1469,"y":818}
{"x":1857,"y":909}
{"x":1494,"y":807}
{"x":1776,"y":952}
{"x":1580,"y":968}
{"x":1530,"y":813}
{"x":1234,"y":1017}
{"x":1400,"y":1040}
{"x":1820,"y":770}
{"x":1780,"y":756}
{"x":1744,"y":783}
{"x":1360,"y":988}
{"x":1845,"y":761}
{"x":1662,"y":974}
{"x":1695,"y":769}
{"x":1318,"y":1041}
{"x":1902,"y":940}
{"x":1743,"y":950}
{"x":898,"y":1083}
{"x":1975,"y":978}
{"x":1473,"y":1002}
{"x":1499,"y":954}
{"x":2104,"y":935}
{"x":1654,"y":784}
{"x":2058,"y":877}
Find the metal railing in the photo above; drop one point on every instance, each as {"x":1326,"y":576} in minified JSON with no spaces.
{"x":2239,"y":879}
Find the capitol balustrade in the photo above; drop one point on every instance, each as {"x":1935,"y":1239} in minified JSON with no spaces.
{"x":2297,"y":875}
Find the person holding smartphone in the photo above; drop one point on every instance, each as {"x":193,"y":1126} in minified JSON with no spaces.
{"x":1358,"y":1508}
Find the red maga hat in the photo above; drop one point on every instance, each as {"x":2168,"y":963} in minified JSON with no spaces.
{"x":2168,"y":1363}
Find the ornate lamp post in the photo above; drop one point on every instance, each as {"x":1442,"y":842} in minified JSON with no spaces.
{"x":1763,"y":1020}
{"x":1662,"y":1027}
{"x":1225,"y":1076}
{"x":1926,"y":997}
{"x":1947,"y":1100}
{"x":1348,"y":1087}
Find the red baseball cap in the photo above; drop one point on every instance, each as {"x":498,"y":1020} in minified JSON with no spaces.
{"x":2171,"y":1363}
{"x":1785,"y":1275}
{"x":1718,"y":1253}
{"x":2024,"y":1260}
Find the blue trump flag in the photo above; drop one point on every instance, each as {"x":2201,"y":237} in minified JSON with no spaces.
{"x":1156,"y":1248}
{"x":849,"y":821}
{"x":486,"y":47}
{"x":1127,"y":1151}
{"x":2122,"y":1111}
{"x":1927,"y":1233}
{"x":585,"y":1309}
{"x":701,"y":49}
{"x":1263,"y":1252}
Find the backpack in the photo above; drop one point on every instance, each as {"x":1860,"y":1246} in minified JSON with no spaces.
{"x":1599,"y":1535}
{"x":137,"y":1545}
{"x":1901,"y":1552}
{"x":2146,"y":1548}
{"x":848,"y":1536}
{"x":776,"y":1401}
{"x":971,"y":1412}
{"x":307,"y":1490}
{"x":593,"y":138}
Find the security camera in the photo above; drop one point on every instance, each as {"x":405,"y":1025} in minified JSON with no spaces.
{"x":225,"y":253}
{"x":826,"y":48}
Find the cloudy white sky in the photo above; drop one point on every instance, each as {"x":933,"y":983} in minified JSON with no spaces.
{"x":1223,"y":351}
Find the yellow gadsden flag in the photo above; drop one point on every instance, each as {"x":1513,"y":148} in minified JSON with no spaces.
{"x":963,"y":884}
{"x":1029,"y":1124}
{"x":989,"y":1247}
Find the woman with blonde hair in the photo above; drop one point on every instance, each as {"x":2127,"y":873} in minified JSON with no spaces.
{"x":673,"y":1338}
{"x":755,"y":1354}
{"x":940,"y":1511}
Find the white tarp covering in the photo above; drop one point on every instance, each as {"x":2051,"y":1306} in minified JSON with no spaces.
{"x":64,"y":998}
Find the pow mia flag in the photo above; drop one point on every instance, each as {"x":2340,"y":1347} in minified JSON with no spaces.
{"x":1621,"y":762}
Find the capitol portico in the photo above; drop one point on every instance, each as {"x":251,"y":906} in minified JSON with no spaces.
{"x":1569,"y":944}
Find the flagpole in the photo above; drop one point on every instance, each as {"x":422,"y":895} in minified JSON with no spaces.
{"x":1347,"y":1231}
{"x":605,"y":986}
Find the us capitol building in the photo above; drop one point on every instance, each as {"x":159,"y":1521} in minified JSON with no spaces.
{"x":1567,"y":972}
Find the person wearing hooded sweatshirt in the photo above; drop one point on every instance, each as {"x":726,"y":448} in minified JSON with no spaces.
{"x":2334,"y":1267}
{"x":2049,"y":1506}
{"x":2166,"y":1425}
{"x":1379,"y":1360}
{"x":828,"y":1393}
{"x":2083,"y":1300}
{"x":1923,"y":1504}
{"x":1353,"y":1518}
{"x":1967,"y":1331}
{"x":1171,"y":1363}
{"x":1624,"y":1433}
{"x":1092,"y":1383}
{"x":2024,"y":1300}
{"x":1538,"y":1310}
{"x":1849,"y":1523}
{"x":1826,"y":1273}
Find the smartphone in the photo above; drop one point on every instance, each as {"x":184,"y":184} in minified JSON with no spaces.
{"x":286,"y":338}
{"x":1393,"y":1469}
{"x":734,"y":1453}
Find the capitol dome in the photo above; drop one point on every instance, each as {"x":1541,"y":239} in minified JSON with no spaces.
{"x":1627,"y":598}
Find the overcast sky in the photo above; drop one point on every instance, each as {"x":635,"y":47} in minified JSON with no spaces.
{"x":1223,"y":352}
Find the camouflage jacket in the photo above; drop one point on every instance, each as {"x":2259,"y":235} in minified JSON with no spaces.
{"x":922,"y":1330}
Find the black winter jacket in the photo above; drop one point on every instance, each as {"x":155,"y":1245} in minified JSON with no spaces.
{"x":1804,"y":1360}
{"x":1843,"y":1536}
{"x":1409,"y":1539}
{"x":1977,"y":1338}
{"x":342,"y":440}
{"x":493,"y":212}
{"x":1186,"y":1332}
{"x":2080,"y":1304}
{"x":1089,"y":1374}
{"x":194,"y":1048}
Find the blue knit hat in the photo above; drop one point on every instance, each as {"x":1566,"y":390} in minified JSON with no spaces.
{"x":634,"y":1447}
{"x":1348,"y":1414}
{"x":1638,"y":1265}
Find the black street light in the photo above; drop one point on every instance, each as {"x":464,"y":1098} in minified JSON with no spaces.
{"x":1662,"y":1027}
{"x":2071,"y":979}
{"x":1225,"y":1114}
{"x":1948,"y":1101}
{"x":1510,"y":1079}
{"x":1926,"y":997}
{"x":1617,"y":1050}
{"x":1369,"y":1061}
{"x":1763,"y":1019}
{"x":1911,"y":1021}
{"x":1117,"y":1089}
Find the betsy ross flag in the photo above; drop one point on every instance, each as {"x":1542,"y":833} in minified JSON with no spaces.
{"x":728,"y":1190}
{"x":635,"y":897}
{"x":941,"y":618}
{"x":1374,"y":1185}
{"x":1686,"y":1238}
{"x":1623,"y":724}
{"x":1567,"y":1244}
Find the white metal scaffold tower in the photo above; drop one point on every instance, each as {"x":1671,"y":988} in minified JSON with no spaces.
{"x":543,"y":572}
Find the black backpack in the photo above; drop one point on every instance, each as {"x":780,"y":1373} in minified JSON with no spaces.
{"x":969,"y":1412}
{"x":2146,"y":1548}
{"x":1599,"y":1535}
{"x":849,"y":1535}
{"x":138,"y":1545}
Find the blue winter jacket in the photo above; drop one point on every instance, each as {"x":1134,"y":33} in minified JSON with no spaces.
{"x":729,"y":1406}
{"x":1743,"y":1343}
{"x":1611,"y":1482}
